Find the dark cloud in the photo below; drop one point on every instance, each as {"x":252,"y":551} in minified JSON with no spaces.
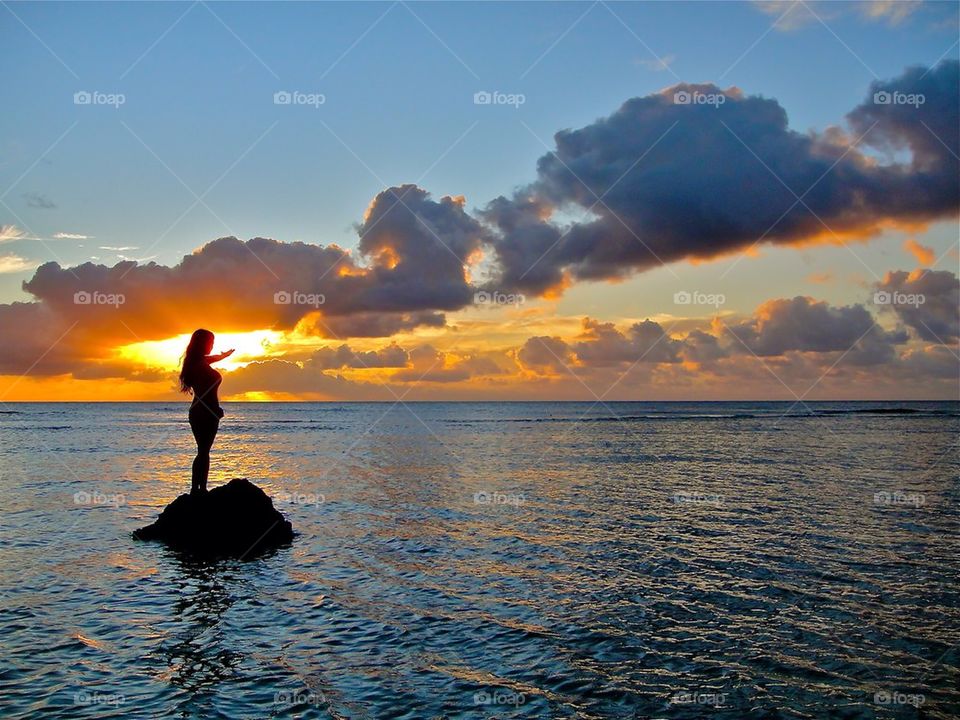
{"x":408,"y":273}
{"x":267,"y":283}
{"x":677,"y":180}
{"x":928,"y":301}
{"x":435,"y":366}
{"x":661,"y":180}
{"x":800,"y":335}
{"x":934,"y":361}
{"x":928,"y":129}
{"x":419,"y":249}
{"x":39,"y":201}
{"x":642,"y":342}
{"x":392,"y":356}
{"x":368,"y":324}
{"x":802,"y":324}
{"x":702,"y":347}
{"x":600,"y":345}
{"x":546,"y":355}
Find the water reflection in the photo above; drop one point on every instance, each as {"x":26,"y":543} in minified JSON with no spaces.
{"x":779,"y":584}
{"x":202,"y":655}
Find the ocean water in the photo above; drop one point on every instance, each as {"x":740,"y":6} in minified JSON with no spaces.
{"x":508,"y":560}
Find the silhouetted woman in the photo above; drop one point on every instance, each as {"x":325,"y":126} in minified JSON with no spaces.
{"x":197,"y":376}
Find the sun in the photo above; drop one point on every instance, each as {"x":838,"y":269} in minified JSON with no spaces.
{"x":249,"y":346}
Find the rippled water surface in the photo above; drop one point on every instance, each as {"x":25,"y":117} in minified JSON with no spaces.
{"x":555,"y":560}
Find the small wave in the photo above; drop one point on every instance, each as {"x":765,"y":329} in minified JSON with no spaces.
{"x":34,"y":428}
{"x":770,"y":414}
{"x":917,"y":412}
{"x":614,"y":418}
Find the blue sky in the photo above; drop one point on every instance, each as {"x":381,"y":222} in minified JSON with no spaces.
{"x":183,"y":141}
{"x":398,"y":81}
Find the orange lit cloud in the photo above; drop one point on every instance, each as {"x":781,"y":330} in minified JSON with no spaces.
{"x":715,"y":178}
{"x":924,"y":255}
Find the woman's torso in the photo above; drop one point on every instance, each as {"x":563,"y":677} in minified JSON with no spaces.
{"x":205,"y":382}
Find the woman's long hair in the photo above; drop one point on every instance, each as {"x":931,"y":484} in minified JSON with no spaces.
{"x":200,"y":343}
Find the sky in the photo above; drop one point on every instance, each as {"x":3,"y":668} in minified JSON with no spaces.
{"x":458,"y":201}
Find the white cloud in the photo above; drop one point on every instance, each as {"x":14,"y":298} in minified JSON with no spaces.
{"x":9,"y":233}
{"x":14,"y":263}
{"x":794,"y":14}
{"x":659,"y":64}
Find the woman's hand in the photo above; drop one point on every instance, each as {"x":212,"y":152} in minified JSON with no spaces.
{"x":220,"y":412}
{"x":217,"y":358}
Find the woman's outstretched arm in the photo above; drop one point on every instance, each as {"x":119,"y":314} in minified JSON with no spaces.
{"x":210,"y":359}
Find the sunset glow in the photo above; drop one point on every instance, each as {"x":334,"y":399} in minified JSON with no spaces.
{"x":167,"y":354}
{"x":463,"y":359}
{"x":656,"y":235}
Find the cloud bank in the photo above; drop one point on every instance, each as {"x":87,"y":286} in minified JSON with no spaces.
{"x":695,"y":172}
{"x":690,"y":173}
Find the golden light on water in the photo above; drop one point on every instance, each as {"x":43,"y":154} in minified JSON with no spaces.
{"x":249,"y":346}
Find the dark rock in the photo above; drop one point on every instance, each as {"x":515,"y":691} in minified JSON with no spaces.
{"x":236,"y":520}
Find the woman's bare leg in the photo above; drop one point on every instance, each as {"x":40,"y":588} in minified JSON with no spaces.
{"x":201,"y":470}
{"x":204,"y":435}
